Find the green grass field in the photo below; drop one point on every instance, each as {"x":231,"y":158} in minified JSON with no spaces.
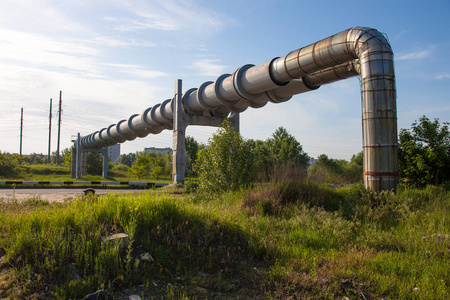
{"x":275,"y":241}
{"x":47,"y":172}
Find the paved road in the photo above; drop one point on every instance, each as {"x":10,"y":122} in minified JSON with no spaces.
{"x":54,"y":194}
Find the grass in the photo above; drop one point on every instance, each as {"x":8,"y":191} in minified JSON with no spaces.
{"x":47,"y":172}
{"x":283,"y":239}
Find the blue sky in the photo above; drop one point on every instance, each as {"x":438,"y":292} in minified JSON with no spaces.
{"x":115,"y":58}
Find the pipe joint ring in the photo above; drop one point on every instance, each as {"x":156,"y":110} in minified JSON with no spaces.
{"x":272,"y":76}
{"x":237,"y":83}
{"x":237,"y":110}
{"x":144,"y":118}
{"x":200,"y":100}
{"x":108,"y":131}
{"x":308,"y":85}
{"x":153,"y":117}
{"x":227,"y":104}
{"x":184,"y":98}
{"x":162,"y":110}
{"x":129,"y":123}
{"x":118,"y":128}
{"x":276,"y":99}
{"x":100,"y":136}
{"x":121,"y":138}
{"x":148,"y":126}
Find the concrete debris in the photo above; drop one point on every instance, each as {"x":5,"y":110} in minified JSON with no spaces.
{"x":440,"y":238}
{"x":122,"y":239}
{"x":99,"y":295}
{"x":147,"y":257}
{"x":202,"y":290}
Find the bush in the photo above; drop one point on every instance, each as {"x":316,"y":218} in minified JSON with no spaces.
{"x":289,"y":185}
{"x":424,"y":153}
{"x":121,"y":168}
{"x":226,"y":163}
{"x":8,"y":164}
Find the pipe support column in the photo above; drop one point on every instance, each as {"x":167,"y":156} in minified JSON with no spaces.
{"x":179,"y":136}
{"x":105,"y":162}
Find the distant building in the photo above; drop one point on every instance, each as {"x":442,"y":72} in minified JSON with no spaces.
{"x":312,"y":161}
{"x":164,"y":151}
{"x":114,"y":152}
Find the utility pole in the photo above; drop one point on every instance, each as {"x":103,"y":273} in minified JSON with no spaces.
{"x":59,"y":127}
{"x":21,"y":129}
{"x":49,"y":131}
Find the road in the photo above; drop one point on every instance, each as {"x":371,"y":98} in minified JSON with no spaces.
{"x":56,"y":194}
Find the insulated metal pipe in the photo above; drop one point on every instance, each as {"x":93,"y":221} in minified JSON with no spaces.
{"x":358,"y":50}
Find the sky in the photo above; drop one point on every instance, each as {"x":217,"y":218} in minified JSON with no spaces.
{"x":115,"y":58}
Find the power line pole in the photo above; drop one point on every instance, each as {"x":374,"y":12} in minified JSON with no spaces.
{"x":21,"y":129}
{"x":49,"y":131}
{"x":59,"y":127}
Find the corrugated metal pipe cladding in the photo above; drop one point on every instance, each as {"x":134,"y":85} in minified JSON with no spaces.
{"x":357,"y":51}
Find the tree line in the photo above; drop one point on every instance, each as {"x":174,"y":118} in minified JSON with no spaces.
{"x":424,"y":158}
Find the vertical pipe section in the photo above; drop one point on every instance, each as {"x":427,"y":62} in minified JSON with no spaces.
{"x":379,"y":112}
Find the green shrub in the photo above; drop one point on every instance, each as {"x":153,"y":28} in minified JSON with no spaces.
{"x":7,"y":164}
{"x":226,"y":163}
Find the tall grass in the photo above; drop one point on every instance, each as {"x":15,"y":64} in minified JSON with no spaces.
{"x":289,"y":237}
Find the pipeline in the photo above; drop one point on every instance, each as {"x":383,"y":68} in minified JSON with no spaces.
{"x":356,"y":51}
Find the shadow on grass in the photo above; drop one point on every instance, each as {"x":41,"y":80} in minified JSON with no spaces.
{"x":57,"y":251}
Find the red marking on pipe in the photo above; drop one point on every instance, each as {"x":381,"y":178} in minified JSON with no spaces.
{"x":381,"y":173}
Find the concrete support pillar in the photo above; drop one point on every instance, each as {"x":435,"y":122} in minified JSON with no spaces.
{"x":105,"y":162}
{"x":234,"y":120}
{"x":73,"y":164}
{"x":179,"y":136}
{"x":78,"y":157}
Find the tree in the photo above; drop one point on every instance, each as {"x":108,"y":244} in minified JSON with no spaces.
{"x":66,"y":155}
{"x":151,"y":164}
{"x":141,"y":165}
{"x":284,"y":148}
{"x":226,"y":163}
{"x":94,"y":163}
{"x":331,"y":170}
{"x":424,"y":152}
{"x":8,"y":163}
{"x":191,"y":154}
{"x":125,"y":159}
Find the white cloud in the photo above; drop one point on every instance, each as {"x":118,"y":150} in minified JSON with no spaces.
{"x":44,"y":51}
{"x":168,"y":15}
{"x":147,"y":74}
{"x":36,"y":15}
{"x":89,"y":104}
{"x":147,"y":22}
{"x":416,"y":54}
{"x":111,"y":42}
{"x":443,"y":76}
{"x":208,"y":67}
